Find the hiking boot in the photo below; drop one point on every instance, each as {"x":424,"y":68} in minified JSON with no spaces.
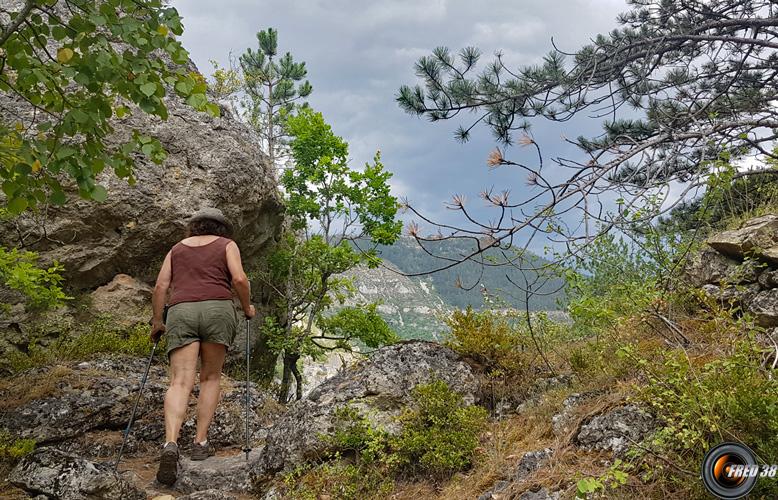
{"x":202,"y":451}
{"x":168,"y":464}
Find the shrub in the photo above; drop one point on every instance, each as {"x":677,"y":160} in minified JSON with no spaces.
{"x":727,"y":399}
{"x":41,"y":287}
{"x":489,"y":338}
{"x":337,"y":479}
{"x":612,"y":280}
{"x":439,"y":437}
{"x":440,"y":433}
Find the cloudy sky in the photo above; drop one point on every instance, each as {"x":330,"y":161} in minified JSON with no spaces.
{"x":358,"y":54}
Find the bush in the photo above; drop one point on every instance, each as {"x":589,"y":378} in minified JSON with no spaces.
{"x":489,"y":338}
{"x":439,"y":437}
{"x":338,"y":480}
{"x":612,"y":280}
{"x":440,"y":434}
{"x":726,"y":399}
{"x":42,"y":288}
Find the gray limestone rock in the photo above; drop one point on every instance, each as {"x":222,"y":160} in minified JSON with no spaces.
{"x":64,"y":476}
{"x":616,"y":430}
{"x":710,"y":267}
{"x":764,"y":306}
{"x":758,"y":236}
{"x":125,"y":299}
{"x":210,"y":162}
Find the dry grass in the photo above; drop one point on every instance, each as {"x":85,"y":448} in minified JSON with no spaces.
{"x":17,"y":391}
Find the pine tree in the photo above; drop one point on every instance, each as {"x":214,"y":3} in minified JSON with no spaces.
{"x":678,"y":86}
{"x":273,"y":86}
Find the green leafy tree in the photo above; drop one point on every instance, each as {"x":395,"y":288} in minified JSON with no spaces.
{"x":69,"y":70}
{"x":272,"y":86}
{"x":329,"y":205}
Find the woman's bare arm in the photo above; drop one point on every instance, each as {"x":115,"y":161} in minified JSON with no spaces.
{"x":158,"y":297}
{"x":239,"y":279}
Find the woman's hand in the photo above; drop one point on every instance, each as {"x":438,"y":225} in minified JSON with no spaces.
{"x":251,"y":312}
{"x":157,"y":330}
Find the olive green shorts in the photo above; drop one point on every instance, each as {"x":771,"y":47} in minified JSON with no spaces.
{"x":204,"y":321}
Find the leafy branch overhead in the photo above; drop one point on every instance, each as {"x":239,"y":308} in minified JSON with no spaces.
{"x":71,"y":69}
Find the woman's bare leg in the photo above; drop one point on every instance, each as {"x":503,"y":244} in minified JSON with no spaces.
{"x":183,"y":367}
{"x":212,"y":360}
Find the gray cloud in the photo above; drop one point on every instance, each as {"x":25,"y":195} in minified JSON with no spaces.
{"x":358,"y":54}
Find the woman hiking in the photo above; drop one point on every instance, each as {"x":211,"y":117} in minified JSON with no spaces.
{"x":200,"y":271}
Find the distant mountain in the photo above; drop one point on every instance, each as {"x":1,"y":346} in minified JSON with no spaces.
{"x":413,"y":305}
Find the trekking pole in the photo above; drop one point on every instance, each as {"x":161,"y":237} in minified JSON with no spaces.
{"x":135,"y":408}
{"x":247,"y":448}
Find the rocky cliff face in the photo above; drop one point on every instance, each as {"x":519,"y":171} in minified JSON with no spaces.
{"x":412,"y":307}
{"x":77,"y":421}
{"x":211,"y":162}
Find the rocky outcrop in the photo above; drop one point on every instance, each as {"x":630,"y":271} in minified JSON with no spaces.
{"x":219,"y":474}
{"x":97,"y":396}
{"x":739,"y":269}
{"x":616,"y":430}
{"x":756,"y":237}
{"x":90,"y":396}
{"x":211,"y":162}
{"x":61,"y":475}
{"x":379,"y":387}
{"x":710,"y":267}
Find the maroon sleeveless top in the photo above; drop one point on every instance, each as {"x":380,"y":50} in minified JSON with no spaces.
{"x":200,"y":273}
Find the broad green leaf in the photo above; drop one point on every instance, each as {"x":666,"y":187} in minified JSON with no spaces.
{"x":58,"y":197}
{"x":148,"y":88}
{"x":17,"y":205}
{"x":99,"y":193}
{"x":64,"y":55}
{"x":213,"y":109}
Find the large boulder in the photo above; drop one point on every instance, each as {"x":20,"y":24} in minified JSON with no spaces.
{"x":379,"y":387}
{"x":61,"y":475}
{"x":90,"y":396}
{"x":211,"y":162}
{"x":758,"y":237}
{"x":708,"y":266}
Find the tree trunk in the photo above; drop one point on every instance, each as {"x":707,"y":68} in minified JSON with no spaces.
{"x":298,"y":379}
{"x":283,"y":392}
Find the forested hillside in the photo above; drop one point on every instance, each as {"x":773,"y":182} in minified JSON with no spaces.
{"x":409,"y":258}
